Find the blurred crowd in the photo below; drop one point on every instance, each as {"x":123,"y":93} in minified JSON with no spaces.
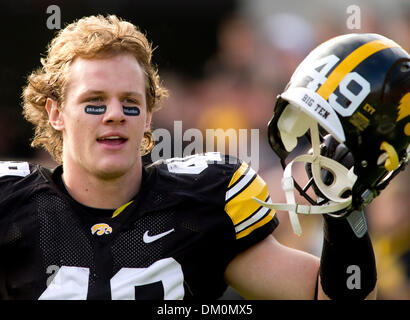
{"x":251,"y":66}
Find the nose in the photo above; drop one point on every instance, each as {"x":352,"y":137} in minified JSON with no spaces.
{"x":114,"y":113}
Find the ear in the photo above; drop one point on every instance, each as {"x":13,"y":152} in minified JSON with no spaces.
{"x":55,"y":116}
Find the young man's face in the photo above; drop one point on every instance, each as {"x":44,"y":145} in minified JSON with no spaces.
{"x":104,"y":116}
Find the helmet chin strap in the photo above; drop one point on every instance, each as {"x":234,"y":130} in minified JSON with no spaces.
{"x":344,"y":180}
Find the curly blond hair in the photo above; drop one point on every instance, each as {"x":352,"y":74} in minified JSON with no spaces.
{"x":89,"y":37}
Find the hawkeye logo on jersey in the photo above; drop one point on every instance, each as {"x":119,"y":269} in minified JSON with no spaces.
{"x":100,"y":229}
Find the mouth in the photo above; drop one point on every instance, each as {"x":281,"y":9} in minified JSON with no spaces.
{"x":112,"y":140}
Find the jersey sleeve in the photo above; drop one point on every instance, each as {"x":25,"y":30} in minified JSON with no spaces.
{"x":252,"y":222}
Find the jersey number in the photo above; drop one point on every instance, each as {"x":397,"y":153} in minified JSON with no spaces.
{"x":325,"y":64}
{"x":71,"y":283}
{"x":194,"y":164}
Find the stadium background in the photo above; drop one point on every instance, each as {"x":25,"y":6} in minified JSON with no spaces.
{"x":224,"y":62}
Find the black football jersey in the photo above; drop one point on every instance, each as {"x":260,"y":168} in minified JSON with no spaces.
{"x":173,"y":240}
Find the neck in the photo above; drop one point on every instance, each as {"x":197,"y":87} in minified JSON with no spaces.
{"x":99,"y":191}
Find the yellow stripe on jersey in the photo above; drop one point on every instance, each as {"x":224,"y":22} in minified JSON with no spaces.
{"x":121,"y":209}
{"x":265,"y":220}
{"x":350,"y":62}
{"x":245,"y":213}
{"x":242,"y":205}
{"x":238,"y":173}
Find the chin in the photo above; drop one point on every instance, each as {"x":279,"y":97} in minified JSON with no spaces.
{"x":112,"y":170}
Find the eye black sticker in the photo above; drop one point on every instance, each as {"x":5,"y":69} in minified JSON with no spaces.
{"x":131,"y":111}
{"x":95,"y":109}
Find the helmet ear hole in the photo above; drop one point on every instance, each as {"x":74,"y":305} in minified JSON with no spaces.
{"x":405,"y":67}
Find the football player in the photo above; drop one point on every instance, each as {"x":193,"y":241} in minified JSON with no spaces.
{"x":103,"y":226}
